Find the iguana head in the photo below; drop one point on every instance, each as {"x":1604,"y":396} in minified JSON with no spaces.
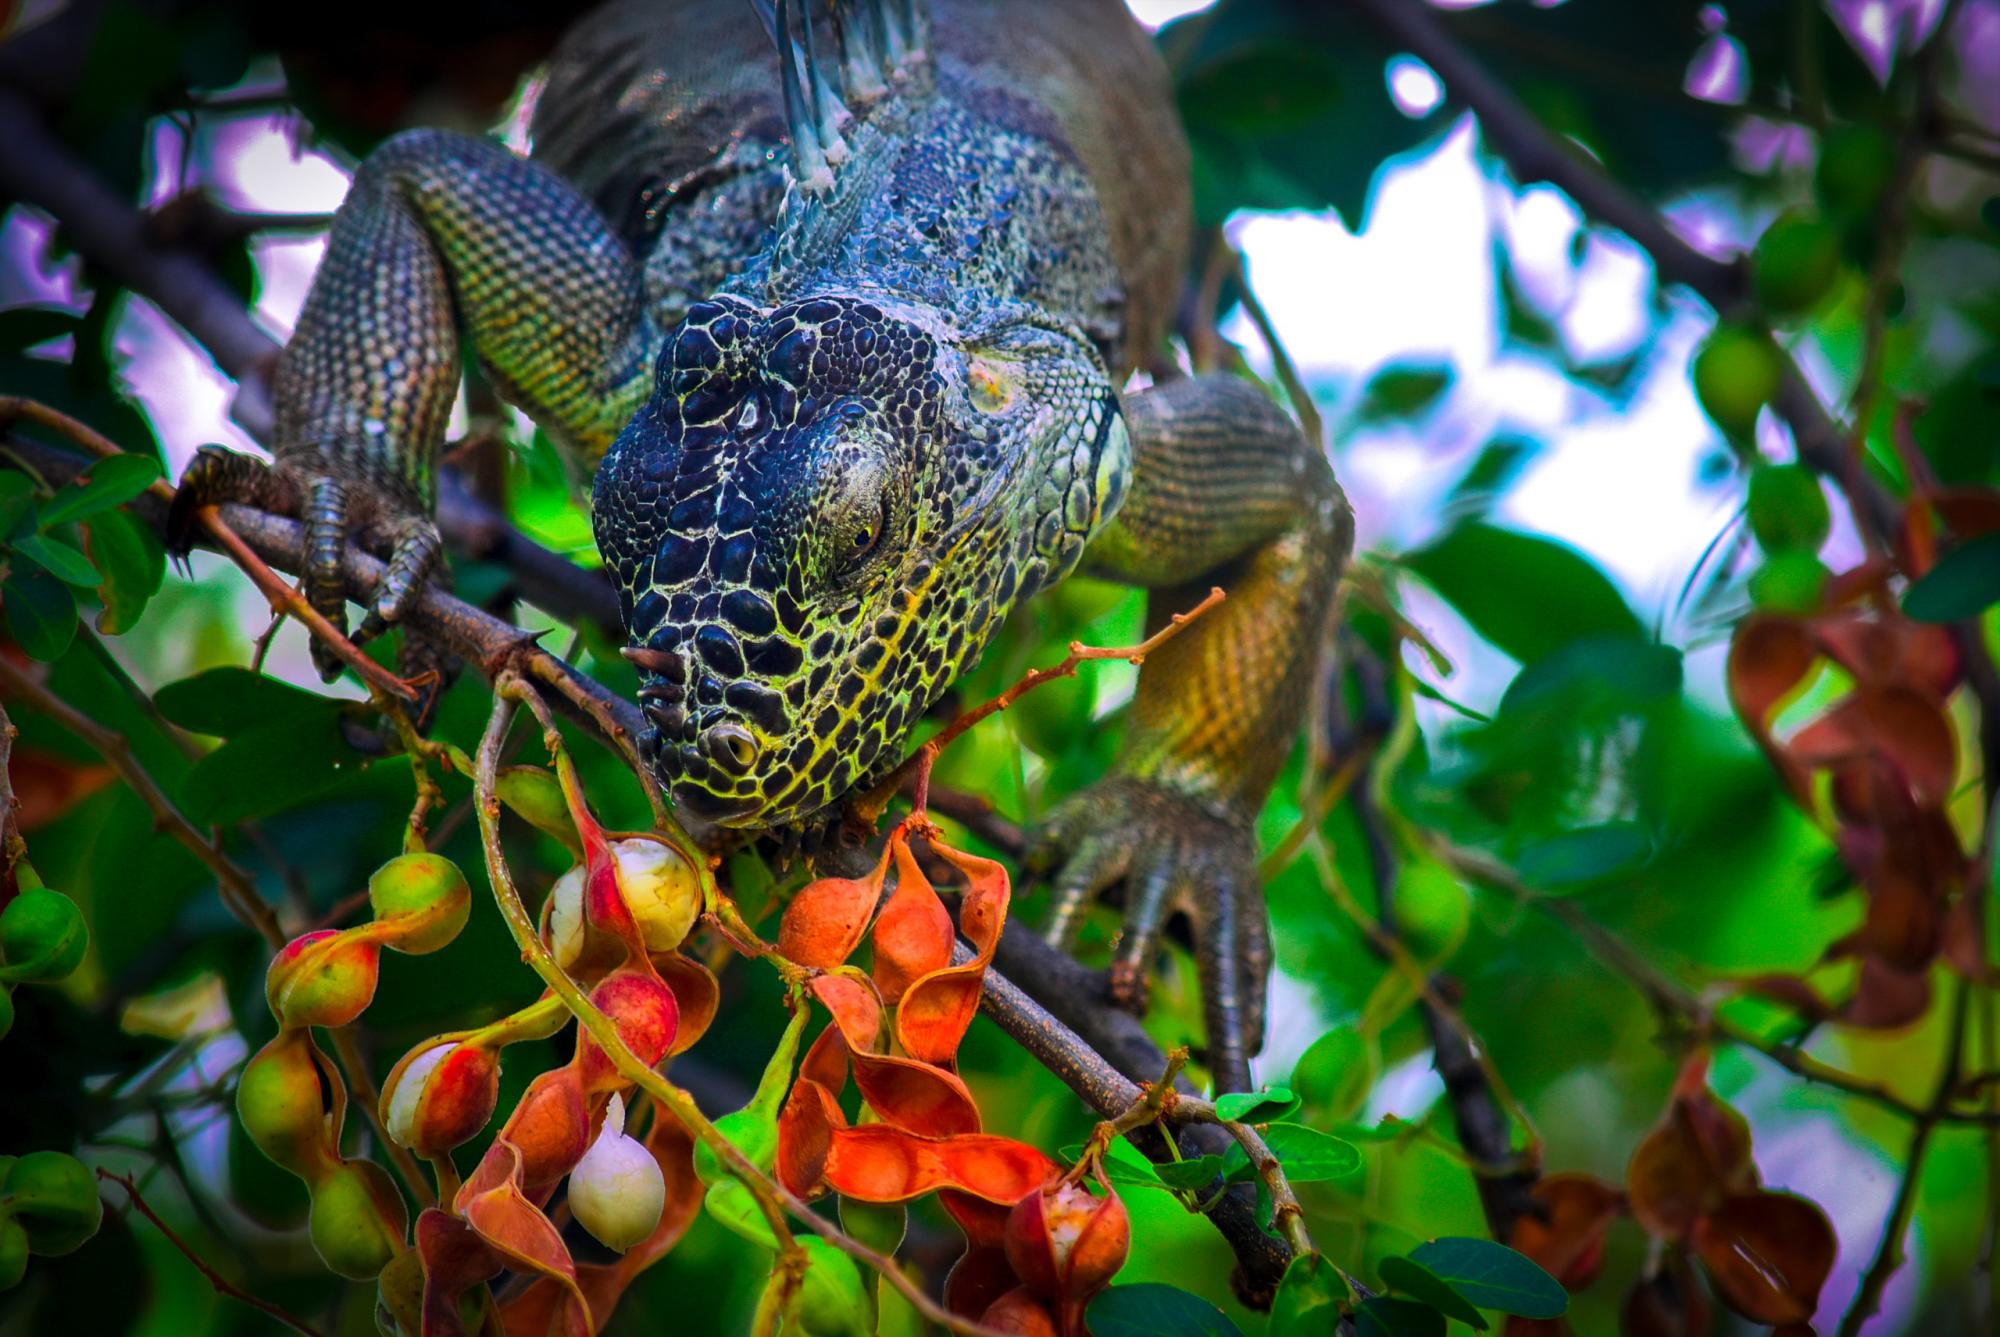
{"x":893,"y":425}
{"x":824,"y":512}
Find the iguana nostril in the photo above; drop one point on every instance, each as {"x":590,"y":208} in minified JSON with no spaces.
{"x":731,"y":747}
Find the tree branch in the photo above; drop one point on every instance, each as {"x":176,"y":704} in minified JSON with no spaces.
{"x":1111,"y":1085}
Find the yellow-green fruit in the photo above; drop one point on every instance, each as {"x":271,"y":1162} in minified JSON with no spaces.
{"x":427,"y":890}
{"x":1855,"y":164}
{"x":13,"y":1253}
{"x":279,"y":1101}
{"x":1796,"y":262}
{"x":1789,"y":582}
{"x":1788,"y":512}
{"x":1736,"y":373}
{"x":834,"y":1301}
{"x":357,"y":1220}
{"x":1432,"y":912}
{"x":536,"y":797}
{"x":54,"y":1198}
{"x":879,"y":1225}
{"x":42,"y":936}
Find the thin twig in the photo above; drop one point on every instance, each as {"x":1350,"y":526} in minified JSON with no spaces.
{"x":12,"y":848}
{"x":221,"y":1284}
{"x":1890,"y":1254}
{"x":239,"y":893}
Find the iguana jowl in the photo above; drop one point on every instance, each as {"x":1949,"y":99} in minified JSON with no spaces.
{"x":842,"y":321}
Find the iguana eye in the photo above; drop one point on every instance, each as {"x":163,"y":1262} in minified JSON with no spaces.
{"x":991,"y":386}
{"x":868,"y":533}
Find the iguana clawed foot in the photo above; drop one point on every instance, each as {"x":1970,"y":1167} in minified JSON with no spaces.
{"x":1173,"y":856}
{"x":332,"y":509}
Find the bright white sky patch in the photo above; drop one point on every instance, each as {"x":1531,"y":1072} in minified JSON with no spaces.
{"x":1157,"y":13}
{"x":1414,"y":89}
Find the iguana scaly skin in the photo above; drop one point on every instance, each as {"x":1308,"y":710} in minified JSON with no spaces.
{"x":843,"y":323}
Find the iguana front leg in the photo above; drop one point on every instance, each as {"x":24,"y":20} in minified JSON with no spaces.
{"x":439,"y":232}
{"x":1225,"y":490}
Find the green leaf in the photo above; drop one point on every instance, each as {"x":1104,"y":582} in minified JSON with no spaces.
{"x":41,"y":612}
{"x":1308,"y":1300}
{"x":1196,"y":1172}
{"x":1402,"y":391}
{"x":1419,"y":1283}
{"x":1123,"y":1165}
{"x":1493,"y":1276}
{"x":226,"y":701}
{"x":1964,"y":583}
{"x":1384,"y":1317}
{"x":133,"y":562}
{"x":105,"y":484}
{"x":1528,"y":595}
{"x":59,"y":559}
{"x":17,"y":501}
{"x":1267,"y":1106}
{"x":1307,"y":1154}
{"x":1151,"y":1309}
{"x":1334,"y":1074}
{"x":1591,"y":854}
{"x":263,"y":770}
{"x":25,"y":326}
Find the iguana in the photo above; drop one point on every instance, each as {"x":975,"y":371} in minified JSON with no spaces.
{"x":843,"y":308}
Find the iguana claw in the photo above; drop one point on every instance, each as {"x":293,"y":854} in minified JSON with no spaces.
{"x":331,"y":511}
{"x":1173,"y":856}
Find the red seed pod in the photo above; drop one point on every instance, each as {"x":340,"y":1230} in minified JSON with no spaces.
{"x":282,"y":1105}
{"x":423,"y":897}
{"x":648,"y":1017}
{"x":358,"y":1220}
{"x":440,"y":1096}
{"x":1020,"y":1313}
{"x":322,"y":979}
{"x":1066,"y":1243}
{"x":550,"y":1128}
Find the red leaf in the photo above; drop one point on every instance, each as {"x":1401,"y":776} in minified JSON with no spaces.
{"x":493,"y":1204}
{"x":878,"y":1163}
{"x":910,"y":1094}
{"x":1693,"y":1158}
{"x":1670,"y":1303}
{"x":1768,"y":1254}
{"x":1886,"y":998}
{"x":550,"y":1128}
{"x":1566,"y":1237}
{"x":695,"y":989}
{"x":455,"y":1260}
{"x":937,"y":1009}
{"x":978,"y":1280}
{"x":824,"y":923}
{"x":913,"y":934}
{"x":1895,"y":726}
{"x":1769,"y":657}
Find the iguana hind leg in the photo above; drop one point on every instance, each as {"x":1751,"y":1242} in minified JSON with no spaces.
{"x":440,"y":232}
{"x":1226,"y":491}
